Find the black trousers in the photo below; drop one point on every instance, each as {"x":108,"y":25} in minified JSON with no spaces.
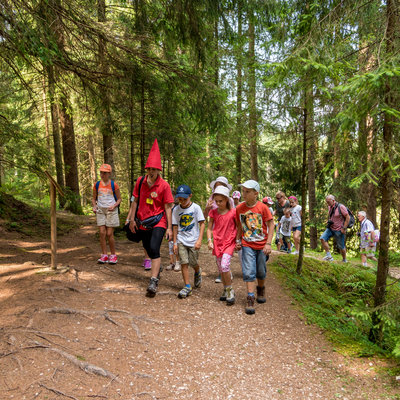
{"x":151,"y":239}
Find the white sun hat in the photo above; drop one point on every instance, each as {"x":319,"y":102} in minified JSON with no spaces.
{"x":223,"y":180}
{"x":221,"y":190}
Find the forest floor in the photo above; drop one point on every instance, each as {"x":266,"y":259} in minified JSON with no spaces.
{"x":89,"y":332}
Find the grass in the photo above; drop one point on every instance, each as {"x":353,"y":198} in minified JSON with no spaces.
{"x":339,"y":298}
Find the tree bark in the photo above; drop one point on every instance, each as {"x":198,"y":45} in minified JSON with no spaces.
{"x":376,"y":333}
{"x":92,"y":159}
{"x":69,"y":153}
{"x":142,"y":128}
{"x":106,"y":124}
{"x":132,"y":141}
{"x":239,"y":97}
{"x":252,"y":99}
{"x":311,"y":142}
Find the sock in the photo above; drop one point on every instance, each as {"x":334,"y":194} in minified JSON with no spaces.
{"x":188,"y":286}
{"x":364,"y":264}
{"x":228,"y":287}
{"x":250,"y":294}
{"x":328,"y":253}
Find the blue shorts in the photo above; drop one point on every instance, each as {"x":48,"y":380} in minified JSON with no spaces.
{"x":254,"y":264}
{"x":296,"y":228}
{"x":339,"y":237}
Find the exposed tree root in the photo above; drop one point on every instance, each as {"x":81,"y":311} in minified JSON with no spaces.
{"x":56,"y":391}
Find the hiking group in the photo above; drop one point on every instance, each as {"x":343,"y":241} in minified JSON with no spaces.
{"x":245,"y":226}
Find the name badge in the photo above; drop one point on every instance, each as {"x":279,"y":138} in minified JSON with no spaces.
{"x":149,"y":201}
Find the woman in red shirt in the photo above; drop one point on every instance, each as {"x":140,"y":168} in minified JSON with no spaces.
{"x":150,"y":214}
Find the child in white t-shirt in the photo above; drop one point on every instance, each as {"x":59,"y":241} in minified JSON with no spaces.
{"x":188,"y":230}
{"x":295,"y":210}
{"x":105,"y":202}
{"x":285,"y":228}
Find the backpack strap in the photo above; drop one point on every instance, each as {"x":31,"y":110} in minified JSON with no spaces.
{"x":138,"y":198}
{"x":113,"y":190}
{"x":97,"y":189}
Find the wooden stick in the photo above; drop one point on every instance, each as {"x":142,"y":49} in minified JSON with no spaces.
{"x":53,"y":205}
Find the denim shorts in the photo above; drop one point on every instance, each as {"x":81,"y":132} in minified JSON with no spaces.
{"x":254,"y":264}
{"x":296,"y":228}
{"x":339,"y":237}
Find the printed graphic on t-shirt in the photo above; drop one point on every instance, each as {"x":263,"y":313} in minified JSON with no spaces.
{"x":252,"y":227}
{"x":186,"y":222}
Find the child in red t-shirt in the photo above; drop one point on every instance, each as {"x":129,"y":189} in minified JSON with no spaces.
{"x":222,"y":226}
{"x":255,"y":228}
{"x":105,"y":204}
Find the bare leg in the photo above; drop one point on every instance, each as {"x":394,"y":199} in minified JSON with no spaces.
{"x":111,"y":241}
{"x":155,"y":267}
{"x":226,"y":278}
{"x":325,"y":245}
{"x":103,"y":243}
{"x":185,"y":273}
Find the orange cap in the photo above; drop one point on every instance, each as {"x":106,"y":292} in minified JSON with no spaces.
{"x":106,"y":168}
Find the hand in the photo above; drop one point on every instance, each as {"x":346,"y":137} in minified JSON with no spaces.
{"x":94,"y":209}
{"x":267,"y":249}
{"x":210,"y":245}
{"x":133,"y":226}
{"x":238,"y":246}
{"x":176,"y":249}
{"x":209,"y":203}
{"x":343,"y":230}
{"x":197,"y":245}
{"x":111,"y":208}
{"x":168,"y":234}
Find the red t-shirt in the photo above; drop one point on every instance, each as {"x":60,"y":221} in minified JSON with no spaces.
{"x":338,"y":220}
{"x":254,"y":224}
{"x":153,"y":199}
{"x":224,"y":232}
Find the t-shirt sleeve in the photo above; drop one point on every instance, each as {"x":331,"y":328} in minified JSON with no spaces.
{"x":369,"y":227}
{"x":267,"y":214}
{"x":116,"y":186}
{"x":200,"y":215}
{"x":343,"y":210}
{"x":237,"y":214}
{"x":168,"y":197}
{"x":211,"y":214}
{"x":175,"y":216}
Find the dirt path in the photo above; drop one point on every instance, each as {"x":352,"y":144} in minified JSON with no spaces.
{"x":161,"y":348}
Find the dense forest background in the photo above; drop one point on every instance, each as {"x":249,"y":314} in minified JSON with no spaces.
{"x":237,"y":88}
{"x":302,"y":96}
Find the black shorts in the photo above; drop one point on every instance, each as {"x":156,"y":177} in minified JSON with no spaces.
{"x":151,"y":240}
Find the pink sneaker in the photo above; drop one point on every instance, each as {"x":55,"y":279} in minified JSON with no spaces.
{"x":103,"y":259}
{"x":147,"y":264}
{"x":113,"y":259}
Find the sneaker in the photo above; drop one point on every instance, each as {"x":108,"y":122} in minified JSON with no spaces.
{"x":185,"y":292}
{"x":218,"y":280}
{"x":170,"y":267}
{"x":223,"y":296}
{"x":147,"y":264}
{"x":328,"y":258}
{"x":344,"y":261}
{"x":177,"y":267}
{"x":103,"y":259}
{"x":113,"y":259}
{"x":261,"y":294}
{"x":250,"y":305}
{"x":230,"y":296}
{"x":152,"y":288}
{"x":197,"y":279}
{"x":294,"y":252}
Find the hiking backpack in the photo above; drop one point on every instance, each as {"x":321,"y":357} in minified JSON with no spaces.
{"x":352,"y":220}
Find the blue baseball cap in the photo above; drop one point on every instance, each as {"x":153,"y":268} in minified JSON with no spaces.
{"x":183,"y":191}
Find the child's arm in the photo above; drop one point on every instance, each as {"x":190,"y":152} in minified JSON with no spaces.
{"x":94,"y":200}
{"x":118,"y":202}
{"x":239,"y":233}
{"x":267,"y":248}
{"x":175,"y":235}
{"x":168,"y":213}
{"x":208,"y":207}
{"x":200,"y":239}
{"x":209,"y":233}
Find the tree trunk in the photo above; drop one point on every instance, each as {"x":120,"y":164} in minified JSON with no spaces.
{"x":46,"y":116}
{"x":311,"y":142}
{"x":252,"y":99}
{"x":376,"y":333}
{"x":55,"y":127}
{"x":70,"y":158}
{"x":106,"y":125}
{"x":142,"y":128}
{"x":217,"y":146}
{"x":239,"y":98}
{"x":299,"y":266}
{"x":92,"y":159}
{"x":132,"y":142}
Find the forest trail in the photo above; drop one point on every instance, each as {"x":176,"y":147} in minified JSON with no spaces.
{"x":90,"y":333}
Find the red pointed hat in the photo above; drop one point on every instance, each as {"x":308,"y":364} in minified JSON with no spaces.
{"x":154,"y":159}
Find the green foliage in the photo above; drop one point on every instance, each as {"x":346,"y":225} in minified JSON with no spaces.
{"x":339,"y":299}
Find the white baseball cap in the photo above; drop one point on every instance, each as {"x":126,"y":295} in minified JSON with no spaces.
{"x":223,"y":180}
{"x":221,"y":190}
{"x":250,"y":184}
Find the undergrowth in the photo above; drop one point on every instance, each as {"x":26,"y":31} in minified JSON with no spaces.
{"x":339,"y":299}
{"x":18,"y":216}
